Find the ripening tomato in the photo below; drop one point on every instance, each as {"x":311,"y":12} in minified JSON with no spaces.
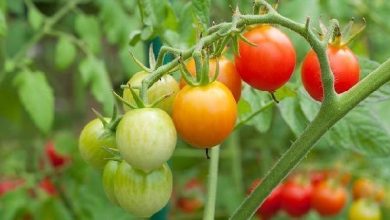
{"x":271,"y":204}
{"x":227,"y":74}
{"x":344,"y":65}
{"x":93,"y":138}
{"x":146,"y":138}
{"x":363,"y":209}
{"x":328,"y":199}
{"x":204,"y":115}
{"x":48,"y":186}
{"x":296,"y":198}
{"x":142,"y":194}
{"x":56,"y":159}
{"x":9,"y":185}
{"x":192,"y":196}
{"x":109,"y":173}
{"x":165,"y":86}
{"x":365,"y":188}
{"x":268,"y":65}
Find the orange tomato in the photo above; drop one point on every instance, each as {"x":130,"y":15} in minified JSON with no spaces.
{"x":227,"y":74}
{"x":204,"y":115}
{"x":365,"y":188}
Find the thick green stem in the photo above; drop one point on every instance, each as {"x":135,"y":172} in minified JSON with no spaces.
{"x":209,"y":212}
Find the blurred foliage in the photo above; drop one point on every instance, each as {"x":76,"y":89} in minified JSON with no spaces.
{"x":57,"y":61}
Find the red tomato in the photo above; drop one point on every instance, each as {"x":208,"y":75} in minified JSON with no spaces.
{"x":327,"y":199}
{"x":48,"y":186}
{"x":192,"y":197}
{"x":271,"y":204}
{"x":270,"y":64}
{"x":56,"y":159}
{"x":227,"y":74}
{"x":204,"y":116}
{"x":344,"y":65}
{"x":296,"y":198}
{"x":9,"y":185}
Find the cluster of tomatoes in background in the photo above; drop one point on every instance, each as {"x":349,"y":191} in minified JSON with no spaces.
{"x":328,"y":192}
{"x":51,"y":163}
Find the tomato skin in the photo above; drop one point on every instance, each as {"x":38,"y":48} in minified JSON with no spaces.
{"x":146,"y":138}
{"x":365,"y":188}
{"x":227,"y":74}
{"x":328,"y":200}
{"x":56,"y":159}
{"x":204,"y":115}
{"x":296,"y":198}
{"x":109,"y":173}
{"x":93,"y":138}
{"x":270,"y":64}
{"x":10,"y":185}
{"x":344,"y":65}
{"x":142,"y":194}
{"x":166,"y":85}
{"x":364,"y":210}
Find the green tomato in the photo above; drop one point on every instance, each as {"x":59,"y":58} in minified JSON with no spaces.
{"x":363,"y":209}
{"x":142,"y":194}
{"x":165,"y":86}
{"x":109,"y":173}
{"x":146,"y":138}
{"x":93,"y":138}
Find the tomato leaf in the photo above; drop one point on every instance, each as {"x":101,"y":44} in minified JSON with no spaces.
{"x":3,"y":24}
{"x":367,"y":66}
{"x":65,"y":53}
{"x":293,"y":115}
{"x":89,"y":29}
{"x":37,"y":98}
{"x":251,"y":101}
{"x":93,"y":71}
{"x":201,"y":9}
{"x":35,"y":18}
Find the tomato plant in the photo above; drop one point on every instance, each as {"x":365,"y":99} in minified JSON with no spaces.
{"x":269,"y":63}
{"x":344,"y":66}
{"x":204,"y":116}
{"x":93,"y":139}
{"x":146,"y":138}
{"x":227,"y":74}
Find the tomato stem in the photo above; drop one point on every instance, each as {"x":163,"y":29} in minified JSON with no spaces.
{"x":209,"y":212}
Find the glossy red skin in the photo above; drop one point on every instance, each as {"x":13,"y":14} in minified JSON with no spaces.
{"x":270,"y":64}
{"x":9,"y":185}
{"x":296,"y":198}
{"x":56,"y":159}
{"x":344,"y":65}
{"x":48,"y":186}
{"x":328,"y":200}
{"x":271,"y":204}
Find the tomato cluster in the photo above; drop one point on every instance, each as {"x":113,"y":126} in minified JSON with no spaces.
{"x":324,"y":193}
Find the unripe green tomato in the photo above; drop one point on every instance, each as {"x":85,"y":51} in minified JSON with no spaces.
{"x":146,"y":138}
{"x":364,"y":209}
{"x":108,"y":180}
{"x":165,"y":86}
{"x":93,"y":138}
{"x":142,"y":194}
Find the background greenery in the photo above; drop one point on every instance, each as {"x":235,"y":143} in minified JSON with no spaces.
{"x":59,"y":60}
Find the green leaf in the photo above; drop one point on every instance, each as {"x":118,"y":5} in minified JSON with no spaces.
{"x":93,"y":71}
{"x":89,"y":30}
{"x":134,"y":37}
{"x":3,"y":24}
{"x":35,"y":18}
{"x":201,"y":9}
{"x":65,"y":53}
{"x":251,"y":101}
{"x":367,"y":66}
{"x":293,"y":115}
{"x":12,"y":204}
{"x":37,"y":98}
